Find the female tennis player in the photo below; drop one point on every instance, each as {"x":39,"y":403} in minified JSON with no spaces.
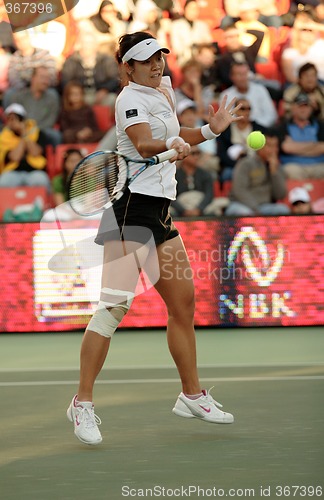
{"x":143,"y":235}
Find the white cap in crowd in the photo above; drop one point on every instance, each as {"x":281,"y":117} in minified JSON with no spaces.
{"x":299,"y":194}
{"x":17,"y":109}
{"x":185,"y":104}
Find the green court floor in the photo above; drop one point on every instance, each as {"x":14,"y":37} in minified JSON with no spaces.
{"x":271,"y":379}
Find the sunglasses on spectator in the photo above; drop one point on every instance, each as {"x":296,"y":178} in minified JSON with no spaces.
{"x":245,"y":108}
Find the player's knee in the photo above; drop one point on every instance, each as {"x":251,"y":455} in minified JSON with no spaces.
{"x":183,"y":310}
{"x":112,"y":307}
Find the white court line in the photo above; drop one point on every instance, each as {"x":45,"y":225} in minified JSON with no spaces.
{"x":166,"y":367}
{"x":161,"y":381}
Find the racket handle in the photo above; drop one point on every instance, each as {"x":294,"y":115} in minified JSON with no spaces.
{"x":166,"y":155}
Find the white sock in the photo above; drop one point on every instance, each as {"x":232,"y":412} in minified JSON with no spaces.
{"x":194,"y":396}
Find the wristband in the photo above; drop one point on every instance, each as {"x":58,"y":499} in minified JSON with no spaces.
{"x":169,"y":142}
{"x":207,"y":133}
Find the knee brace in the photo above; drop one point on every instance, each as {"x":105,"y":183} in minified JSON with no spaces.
{"x":112,"y":307}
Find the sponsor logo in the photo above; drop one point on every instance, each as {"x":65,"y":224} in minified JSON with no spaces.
{"x":270,"y":270}
{"x":207,"y":410}
{"x":254,"y":252}
{"x":131,"y":113}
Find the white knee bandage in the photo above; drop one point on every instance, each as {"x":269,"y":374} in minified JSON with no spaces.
{"x":112,"y":307}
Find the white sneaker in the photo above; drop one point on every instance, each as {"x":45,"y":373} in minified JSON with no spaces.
{"x":205,"y":408}
{"x":85,"y":421}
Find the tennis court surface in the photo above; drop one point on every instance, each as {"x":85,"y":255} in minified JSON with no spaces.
{"x":271,"y":379}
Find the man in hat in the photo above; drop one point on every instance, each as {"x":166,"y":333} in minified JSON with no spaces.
{"x":302,"y":141}
{"x":22,"y":157}
{"x":300,"y":201}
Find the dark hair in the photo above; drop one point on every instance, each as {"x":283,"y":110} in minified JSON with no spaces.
{"x":128,"y":41}
{"x":66,"y":93}
{"x":269,"y":131}
{"x":66,"y":154}
{"x":305,"y":67}
{"x":239,"y":64}
{"x":99,"y":22}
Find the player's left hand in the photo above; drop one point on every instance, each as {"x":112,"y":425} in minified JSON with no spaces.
{"x":224,"y":116}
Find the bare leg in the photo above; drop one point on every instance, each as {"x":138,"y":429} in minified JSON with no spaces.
{"x":177,"y":290}
{"x":120,"y":272}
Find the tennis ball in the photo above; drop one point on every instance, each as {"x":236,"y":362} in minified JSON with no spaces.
{"x":256,"y":140}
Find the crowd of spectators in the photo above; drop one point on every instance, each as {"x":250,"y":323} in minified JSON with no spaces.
{"x":268,"y":55}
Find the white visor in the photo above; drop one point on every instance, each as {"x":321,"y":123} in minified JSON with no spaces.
{"x":144,"y":50}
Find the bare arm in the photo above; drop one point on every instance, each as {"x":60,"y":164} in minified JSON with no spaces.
{"x":218,"y":122}
{"x":288,"y":71}
{"x":33,"y":148}
{"x":18,"y":152}
{"x":141,"y":134}
{"x":289,"y":146}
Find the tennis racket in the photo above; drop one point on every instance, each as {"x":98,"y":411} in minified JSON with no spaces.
{"x":102,"y":177}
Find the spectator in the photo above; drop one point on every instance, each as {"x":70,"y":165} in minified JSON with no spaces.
{"x":309,"y":84}
{"x":306,"y":45}
{"x":188,"y":31}
{"x":195,"y":194}
{"x":248,"y":20}
{"x":206,"y":55}
{"x":96,"y":72}
{"x":231,"y":144}
{"x":258,"y":183}
{"x":42,"y":103}
{"x":25,"y":59}
{"x":71,"y":158}
{"x":235,"y":51}
{"x":188,"y":117}
{"x":147,"y":16}
{"x":191,"y":88}
{"x":300,"y":201}
{"x":106,"y":27}
{"x":263,"y":110}
{"x":22,"y":158}
{"x":51,"y":36}
{"x":77,"y":120}
{"x":126,"y":8}
{"x":302,"y":141}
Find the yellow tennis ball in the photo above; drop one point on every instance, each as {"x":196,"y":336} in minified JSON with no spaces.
{"x":256,"y":140}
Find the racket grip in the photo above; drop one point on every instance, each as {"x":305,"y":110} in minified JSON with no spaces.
{"x":166,"y":155}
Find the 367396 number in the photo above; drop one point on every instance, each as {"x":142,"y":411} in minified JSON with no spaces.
{"x":28,"y":8}
{"x":299,"y":491}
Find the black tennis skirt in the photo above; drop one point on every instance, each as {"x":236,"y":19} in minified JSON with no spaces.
{"x":137,"y":217}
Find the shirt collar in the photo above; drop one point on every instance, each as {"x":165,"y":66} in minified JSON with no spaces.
{"x":165,"y":83}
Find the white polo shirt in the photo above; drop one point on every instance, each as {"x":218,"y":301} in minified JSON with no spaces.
{"x":140,"y":104}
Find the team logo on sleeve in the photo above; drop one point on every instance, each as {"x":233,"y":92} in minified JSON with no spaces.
{"x":131,"y":113}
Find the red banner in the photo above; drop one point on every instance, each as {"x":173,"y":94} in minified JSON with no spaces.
{"x":247,"y":272}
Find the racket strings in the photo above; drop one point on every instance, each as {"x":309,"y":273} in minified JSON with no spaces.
{"x":94,"y":183}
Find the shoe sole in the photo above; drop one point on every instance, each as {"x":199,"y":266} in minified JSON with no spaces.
{"x":183,"y":414}
{"x":70,"y":418}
